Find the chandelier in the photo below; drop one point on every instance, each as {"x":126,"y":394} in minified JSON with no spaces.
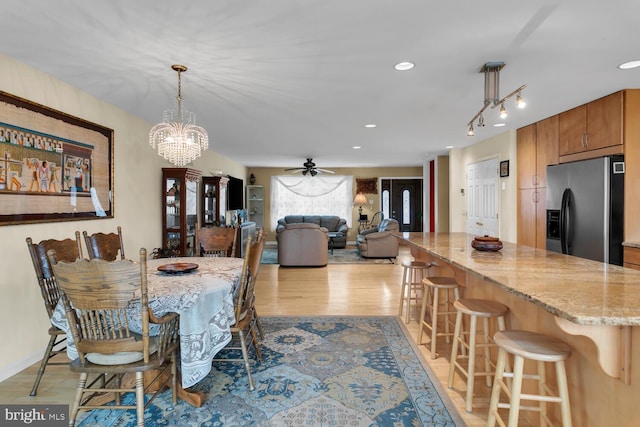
{"x":179,"y":141}
{"x":492,"y":98}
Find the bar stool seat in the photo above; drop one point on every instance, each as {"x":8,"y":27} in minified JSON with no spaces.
{"x":475,"y":308}
{"x":431,"y":302}
{"x":542,"y":349}
{"x":412,"y":274}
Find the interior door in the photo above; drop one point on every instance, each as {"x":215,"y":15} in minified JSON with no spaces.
{"x":482,"y":198}
{"x":405,"y":202}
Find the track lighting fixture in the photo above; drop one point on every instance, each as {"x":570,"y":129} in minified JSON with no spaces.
{"x":492,"y":98}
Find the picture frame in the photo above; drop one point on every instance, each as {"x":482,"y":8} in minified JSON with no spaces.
{"x":53,"y":166}
{"x":504,"y":168}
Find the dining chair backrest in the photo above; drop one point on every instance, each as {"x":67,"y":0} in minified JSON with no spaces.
{"x":217,"y":241}
{"x":242,"y":303}
{"x":257,"y":249}
{"x":68,"y":250}
{"x":96,"y":294}
{"x":105,"y":246}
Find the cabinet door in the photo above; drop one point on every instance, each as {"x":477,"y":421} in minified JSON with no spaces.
{"x":540,"y":200}
{"x":546,"y":148}
{"x":527,"y":217}
{"x":604,"y":122}
{"x":572,"y":129}
{"x":532,"y":213}
{"x":526,"y":156}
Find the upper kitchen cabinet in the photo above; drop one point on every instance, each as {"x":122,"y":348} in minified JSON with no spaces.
{"x":595,"y":128}
{"x":537,"y":148}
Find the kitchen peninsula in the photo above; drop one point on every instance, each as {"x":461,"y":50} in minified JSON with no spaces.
{"x":592,"y":306}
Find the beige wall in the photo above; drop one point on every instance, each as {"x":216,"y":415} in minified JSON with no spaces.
{"x":263,"y":177}
{"x":503,"y":147}
{"x":136,"y":206}
{"x":442,"y":194}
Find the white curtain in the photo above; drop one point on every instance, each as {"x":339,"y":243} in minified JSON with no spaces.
{"x":307,"y":195}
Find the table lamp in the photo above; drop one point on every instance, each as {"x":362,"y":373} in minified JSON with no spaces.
{"x":359,"y":201}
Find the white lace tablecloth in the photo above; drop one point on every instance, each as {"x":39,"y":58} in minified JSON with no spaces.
{"x":204,"y":300}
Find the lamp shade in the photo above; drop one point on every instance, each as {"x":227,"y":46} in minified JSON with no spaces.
{"x":360,"y":199}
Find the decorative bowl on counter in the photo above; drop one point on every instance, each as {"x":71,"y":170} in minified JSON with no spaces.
{"x":486,"y":243}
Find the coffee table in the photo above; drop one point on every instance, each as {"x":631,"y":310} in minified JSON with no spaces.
{"x":332,"y":235}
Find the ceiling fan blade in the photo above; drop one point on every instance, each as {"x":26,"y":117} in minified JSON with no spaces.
{"x":295,"y":169}
{"x":324,"y":170}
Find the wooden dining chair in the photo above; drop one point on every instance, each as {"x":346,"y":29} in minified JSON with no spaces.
{"x":96,"y":295}
{"x":105,"y":246}
{"x":217,"y":241}
{"x":257,"y":249}
{"x":243,"y":332}
{"x":68,"y":250}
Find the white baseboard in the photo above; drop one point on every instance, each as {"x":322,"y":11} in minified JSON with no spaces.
{"x":14,"y":368}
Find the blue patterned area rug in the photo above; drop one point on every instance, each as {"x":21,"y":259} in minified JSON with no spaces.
{"x":317,"y":371}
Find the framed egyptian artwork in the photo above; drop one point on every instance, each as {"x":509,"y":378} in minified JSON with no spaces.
{"x":53,"y":166}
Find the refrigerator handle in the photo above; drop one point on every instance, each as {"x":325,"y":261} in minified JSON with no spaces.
{"x":565,"y":222}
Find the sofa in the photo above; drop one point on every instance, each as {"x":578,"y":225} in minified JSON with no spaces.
{"x":333,"y":224}
{"x":302,"y":245}
{"x":380,"y":241}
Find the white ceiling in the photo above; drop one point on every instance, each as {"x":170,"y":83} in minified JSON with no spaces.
{"x":277,"y":81}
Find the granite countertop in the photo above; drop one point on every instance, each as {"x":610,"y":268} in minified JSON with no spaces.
{"x":579,"y":290}
{"x":631,"y":244}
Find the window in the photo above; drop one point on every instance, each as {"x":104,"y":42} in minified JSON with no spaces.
{"x":305,"y":195}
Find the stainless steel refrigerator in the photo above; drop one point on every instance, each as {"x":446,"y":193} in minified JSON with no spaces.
{"x":585,"y":208}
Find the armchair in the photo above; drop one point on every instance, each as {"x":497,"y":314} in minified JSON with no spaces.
{"x":303,"y":244}
{"x":379,"y":242}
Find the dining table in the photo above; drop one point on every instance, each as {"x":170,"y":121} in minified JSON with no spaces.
{"x":201,"y":290}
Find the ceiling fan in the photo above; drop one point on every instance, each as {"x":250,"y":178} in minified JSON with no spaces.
{"x":310,"y":168}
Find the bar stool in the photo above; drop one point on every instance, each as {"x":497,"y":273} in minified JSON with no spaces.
{"x":412,"y":274}
{"x":542,"y":349}
{"x":474,"y":308}
{"x":431,"y":301}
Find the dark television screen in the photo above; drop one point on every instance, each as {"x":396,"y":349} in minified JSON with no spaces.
{"x":235,"y":193}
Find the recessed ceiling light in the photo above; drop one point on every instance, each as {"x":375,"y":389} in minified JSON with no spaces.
{"x":448,"y":147}
{"x":356,"y":147}
{"x":629,"y":65}
{"x":370,"y":125}
{"x":499,"y":125}
{"x":404,"y":66}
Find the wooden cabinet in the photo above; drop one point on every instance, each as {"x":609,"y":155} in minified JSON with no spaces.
{"x":214,"y":200}
{"x":180,"y":210}
{"x":594,"y":126}
{"x":537,"y":148}
{"x":255,"y":204}
{"x":631,"y":257}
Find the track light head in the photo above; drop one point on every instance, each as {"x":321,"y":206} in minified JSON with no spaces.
{"x":481,"y":121}
{"x":503,"y":112}
{"x":520,"y":103}
{"x":470,"y":131}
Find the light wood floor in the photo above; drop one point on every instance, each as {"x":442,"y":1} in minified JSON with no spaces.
{"x":353,"y":289}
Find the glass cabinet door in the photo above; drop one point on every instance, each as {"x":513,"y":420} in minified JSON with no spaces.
{"x":209,"y":205}
{"x":172,"y":212}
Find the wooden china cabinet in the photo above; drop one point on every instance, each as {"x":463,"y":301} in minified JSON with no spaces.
{"x":214,"y":200}
{"x":180,"y":207}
